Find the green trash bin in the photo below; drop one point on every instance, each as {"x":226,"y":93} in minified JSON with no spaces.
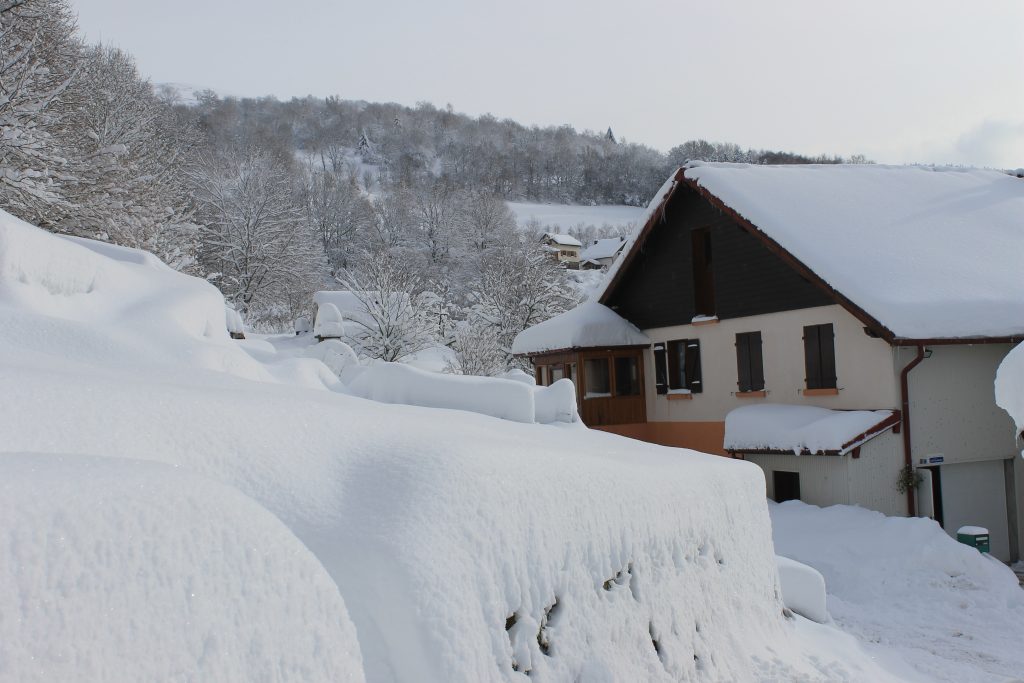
{"x":974,"y":536}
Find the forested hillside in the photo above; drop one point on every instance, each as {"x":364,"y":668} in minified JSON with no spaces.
{"x":271,"y":201}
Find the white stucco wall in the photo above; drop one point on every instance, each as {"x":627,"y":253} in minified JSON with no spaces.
{"x":953,"y":409}
{"x":868,"y":481}
{"x":954,"y":415}
{"x":863,"y":365}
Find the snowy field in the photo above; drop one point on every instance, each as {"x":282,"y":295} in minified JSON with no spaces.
{"x":176,"y":505}
{"x":566,"y":216}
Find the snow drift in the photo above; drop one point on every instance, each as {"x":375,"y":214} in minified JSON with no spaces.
{"x":462,"y":547}
{"x":126,"y":570}
{"x":954,"y":614}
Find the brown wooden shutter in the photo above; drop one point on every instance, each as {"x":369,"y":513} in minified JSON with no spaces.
{"x":743,"y":361}
{"x":749,"y":362}
{"x":827,"y":344}
{"x":812,"y":357}
{"x":756,"y":362}
{"x":660,"y":369}
{"x":694,"y":382}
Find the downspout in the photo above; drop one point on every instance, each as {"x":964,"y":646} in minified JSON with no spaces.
{"x":908,"y":460}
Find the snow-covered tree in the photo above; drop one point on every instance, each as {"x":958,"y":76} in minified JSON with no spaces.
{"x":256,"y":246}
{"x":487,"y":220}
{"x":518,"y":285}
{"x":477,"y":351}
{"x":337,"y":213}
{"x":392,"y":321}
{"x":38,"y":51}
{"x":131,"y":159}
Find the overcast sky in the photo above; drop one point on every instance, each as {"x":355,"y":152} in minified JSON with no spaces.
{"x":898,"y":80}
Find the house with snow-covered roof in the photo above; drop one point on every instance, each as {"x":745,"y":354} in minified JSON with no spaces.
{"x":838,"y":325}
{"x":564,"y":248}
{"x":601,"y":253}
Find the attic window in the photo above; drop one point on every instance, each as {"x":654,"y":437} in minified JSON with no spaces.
{"x":703,"y":277}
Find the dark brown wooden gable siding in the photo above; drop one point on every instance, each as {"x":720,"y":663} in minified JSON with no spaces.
{"x":750,"y":280}
{"x":658,"y":291}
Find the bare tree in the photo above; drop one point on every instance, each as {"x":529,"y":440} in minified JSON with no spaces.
{"x":392,"y":322}
{"x":256,"y":246}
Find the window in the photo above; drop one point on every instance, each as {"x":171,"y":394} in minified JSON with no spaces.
{"x":703,"y":276}
{"x":749,"y":362}
{"x":597,"y":378}
{"x":557,"y":373}
{"x":677,"y":366}
{"x":786,"y":485}
{"x":627,"y":376}
{"x":820,"y":356}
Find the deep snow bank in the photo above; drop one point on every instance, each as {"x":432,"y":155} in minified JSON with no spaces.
{"x":954,"y":614}
{"x":132,"y":571}
{"x":464,"y":547}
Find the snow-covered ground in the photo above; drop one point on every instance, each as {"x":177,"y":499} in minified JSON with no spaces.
{"x":180,"y":505}
{"x":566,"y":216}
{"x":177,"y":505}
{"x":909,"y":592}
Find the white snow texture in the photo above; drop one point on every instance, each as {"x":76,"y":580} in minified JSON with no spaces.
{"x":180,"y":506}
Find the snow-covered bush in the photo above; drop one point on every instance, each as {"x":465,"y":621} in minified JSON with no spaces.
{"x":329,"y":322}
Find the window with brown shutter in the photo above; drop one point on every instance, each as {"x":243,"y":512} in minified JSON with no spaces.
{"x":684,"y":371}
{"x":749,"y":362}
{"x":820,"y":356}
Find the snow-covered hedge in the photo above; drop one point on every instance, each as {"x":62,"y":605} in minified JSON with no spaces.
{"x":509,"y":399}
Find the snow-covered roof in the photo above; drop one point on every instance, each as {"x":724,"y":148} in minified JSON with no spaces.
{"x":563,"y":239}
{"x":926,"y":252}
{"x":803,"y":429}
{"x":606,"y":248}
{"x":589,"y":325}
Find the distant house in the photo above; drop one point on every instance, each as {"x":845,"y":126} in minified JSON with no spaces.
{"x":564,"y":248}
{"x":601,"y":253}
{"x":839,"y":326}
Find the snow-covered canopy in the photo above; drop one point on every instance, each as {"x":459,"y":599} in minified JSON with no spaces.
{"x":927,"y":252}
{"x":802,"y":429}
{"x":562,"y":239}
{"x":605,"y":248}
{"x":589,"y":325}
{"x":1010,"y":386}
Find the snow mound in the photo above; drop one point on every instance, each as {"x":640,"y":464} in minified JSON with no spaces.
{"x":335,"y":354}
{"x":588,"y":325}
{"x":904,"y":584}
{"x":803,"y":589}
{"x":127,"y":570}
{"x":329,"y":322}
{"x":1010,"y":386}
{"x":82,"y":299}
{"x":799,"y":429}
